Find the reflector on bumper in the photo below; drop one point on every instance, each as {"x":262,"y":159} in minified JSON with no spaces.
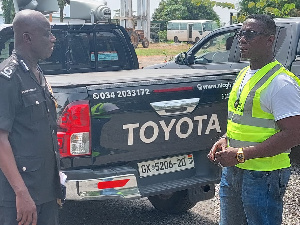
{"x":124,"y":186}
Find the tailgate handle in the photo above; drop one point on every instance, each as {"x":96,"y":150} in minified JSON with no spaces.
{"x":175,"y":107}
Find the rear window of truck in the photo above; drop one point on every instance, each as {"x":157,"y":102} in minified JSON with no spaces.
{"x":78,"y":51}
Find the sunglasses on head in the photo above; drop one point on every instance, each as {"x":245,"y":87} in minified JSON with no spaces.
{"x":248,"y":34}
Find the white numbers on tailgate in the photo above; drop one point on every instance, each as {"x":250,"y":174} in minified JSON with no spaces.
{"x":121,"y":94}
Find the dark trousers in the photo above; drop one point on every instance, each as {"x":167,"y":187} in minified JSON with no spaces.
{"x":252,"y":197}
{"x":47,"y":214}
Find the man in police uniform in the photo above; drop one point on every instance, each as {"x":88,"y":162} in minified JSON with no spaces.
{"x":29,"y":179}
{"x":263,"y":124}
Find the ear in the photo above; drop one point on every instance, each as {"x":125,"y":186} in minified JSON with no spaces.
{"x":271,"y":40}
{"x":26,"y":37}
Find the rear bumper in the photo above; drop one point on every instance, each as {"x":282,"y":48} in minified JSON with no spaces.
{"x":84,"y":185}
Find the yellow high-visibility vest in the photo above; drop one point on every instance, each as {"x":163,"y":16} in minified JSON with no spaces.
{"x":248,"y":124}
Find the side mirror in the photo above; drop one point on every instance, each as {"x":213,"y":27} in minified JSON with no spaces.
{"x":181,"y":58}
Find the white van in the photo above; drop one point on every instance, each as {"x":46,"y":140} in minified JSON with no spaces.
{"x":189,"y":30}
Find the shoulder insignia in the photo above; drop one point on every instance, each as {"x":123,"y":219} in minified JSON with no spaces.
{"x":8,"y":67}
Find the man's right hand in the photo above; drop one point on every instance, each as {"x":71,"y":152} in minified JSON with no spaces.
{"x":26,"y":209}
{"x":217,"y":147}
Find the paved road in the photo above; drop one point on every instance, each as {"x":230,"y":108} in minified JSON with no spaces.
{"x":135,"y":212}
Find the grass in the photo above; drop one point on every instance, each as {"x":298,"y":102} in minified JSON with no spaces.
{"x":167,"y":49}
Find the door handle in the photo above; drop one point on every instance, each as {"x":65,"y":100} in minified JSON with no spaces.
{"x":175,"y":107}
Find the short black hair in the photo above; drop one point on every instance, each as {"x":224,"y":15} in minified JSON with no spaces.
{"x":266,"y":20}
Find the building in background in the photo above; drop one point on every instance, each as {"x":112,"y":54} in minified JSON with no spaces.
{"x":224,"y":13}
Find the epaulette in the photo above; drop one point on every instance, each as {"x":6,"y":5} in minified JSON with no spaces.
{"x":8,"y":67}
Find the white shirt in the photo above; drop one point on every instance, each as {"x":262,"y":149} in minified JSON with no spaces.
{"x":281,"y":98}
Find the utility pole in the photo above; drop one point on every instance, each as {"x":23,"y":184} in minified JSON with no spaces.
{"x":16,"y":6}
{"x":142,"y":20}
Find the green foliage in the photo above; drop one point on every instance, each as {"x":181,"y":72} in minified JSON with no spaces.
{"x":276,"y":8}
{"x":162,"y":35}
{"x":183,"y":10}
{"x":8,"y":10}
{"x":168,"y":50}
{"x":214,"y":3}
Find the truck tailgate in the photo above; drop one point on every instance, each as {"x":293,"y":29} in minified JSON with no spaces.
{"x":147,"y":114}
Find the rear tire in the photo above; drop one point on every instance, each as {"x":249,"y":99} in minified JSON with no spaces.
{"x":176,"y":39}
{"x":145,"y":43}
{"x":174,"y":203}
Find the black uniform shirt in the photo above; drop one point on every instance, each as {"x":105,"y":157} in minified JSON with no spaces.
{"x":28,"y":113}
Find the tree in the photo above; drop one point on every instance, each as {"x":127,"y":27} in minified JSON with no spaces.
{"x":183,"y":10}
{"x":276,"y":8}
{"x":214,"y":3}
{"x":8,"y":10}
{"x":61,"y":5}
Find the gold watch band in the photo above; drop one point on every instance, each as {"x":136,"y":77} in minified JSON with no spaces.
{"x":240,"y":155}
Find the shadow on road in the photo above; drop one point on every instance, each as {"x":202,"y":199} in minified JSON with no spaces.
{"x":115,"y":212}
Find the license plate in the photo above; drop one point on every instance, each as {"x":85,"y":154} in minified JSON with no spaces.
{"x":167,"y":165}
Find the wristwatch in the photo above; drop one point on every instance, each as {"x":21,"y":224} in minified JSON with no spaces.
{"x":240,"y":156}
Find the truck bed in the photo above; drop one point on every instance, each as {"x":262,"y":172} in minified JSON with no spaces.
{"x":123,"y":76}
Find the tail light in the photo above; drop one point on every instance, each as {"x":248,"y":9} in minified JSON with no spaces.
{"x":74,"y":130}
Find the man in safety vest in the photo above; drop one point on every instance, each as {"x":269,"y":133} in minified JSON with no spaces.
{"x":263,"y":125}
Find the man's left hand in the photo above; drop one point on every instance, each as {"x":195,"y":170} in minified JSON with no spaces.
{"x":227,"y":157}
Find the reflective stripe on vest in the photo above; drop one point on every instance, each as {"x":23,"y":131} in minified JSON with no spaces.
{"x":248,"y":124}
